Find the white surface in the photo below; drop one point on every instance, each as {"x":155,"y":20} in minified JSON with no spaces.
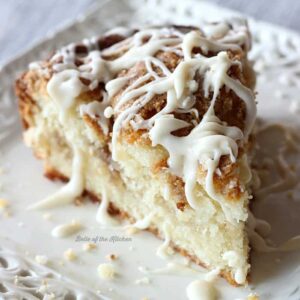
{"x":277,"y":52}
{"x":24,"y":22}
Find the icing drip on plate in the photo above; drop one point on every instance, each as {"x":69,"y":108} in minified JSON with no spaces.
{"x":276,"y":165}
{"x":103,"y":216}
{"x":257,"y":238}
{"x":163,"y":249}
{"x":74,"y":188}
{"x":64,"y":230}
{"x":235,"y":261}
{"x":201,"y":290}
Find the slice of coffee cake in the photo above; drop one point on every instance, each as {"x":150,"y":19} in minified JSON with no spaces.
{"x":155,"y":123}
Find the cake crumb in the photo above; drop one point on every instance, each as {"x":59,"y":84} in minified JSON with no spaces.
{"x":70,"y":254}
{"x":106,"y":271}
{"x":43,"y":288}
{"x":61,"y":263}
{"x":3,"y":203}
{"x":143,"y":281}
{"x":47,"y":216}
{"x":6,"y":213}
{"x":111,"y":257}
{"x":41,"y":259}
{"x":252,"y":297}
{"x":89,"y":246}
{"x":79,"y":201}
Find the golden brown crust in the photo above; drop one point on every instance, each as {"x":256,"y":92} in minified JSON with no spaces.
{"x":229,"y":107}
{"x":26,"y":103}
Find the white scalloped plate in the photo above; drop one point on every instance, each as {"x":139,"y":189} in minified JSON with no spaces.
{"x":275,"y":276}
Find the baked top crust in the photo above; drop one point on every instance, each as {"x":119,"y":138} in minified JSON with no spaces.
{"x":133,"y":84}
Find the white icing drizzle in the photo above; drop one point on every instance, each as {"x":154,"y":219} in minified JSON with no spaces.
{"x":235,"y":260}
{"x":208,"y":141}
{"x":171,"y":268}
{"x":96,"y":110}
{"x":142,"y":223}
{"x":196,"y":148}
{"x":142,"y":281}
{"x":123,"y":31}
{"x":115,"y":85}
{"x":41,"y":259}
{"x":177,"y":268}
{"x":163,"y":250}
{"x":103,"y":216}
{"x":287,"y":179}
{"x":212,"y":275}
{"x":63,"y":88}
{"x":71,"y":190}
{"x":293,"y":244}
{"x":258,"y":242}
{"x":65,"y":230}
{"x":108,"y":112}
{"x":201,"y":290}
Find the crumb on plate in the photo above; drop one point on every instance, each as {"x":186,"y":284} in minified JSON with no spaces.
{"x":106,"y":271}
{"x":3,"y":203}
{"x":89,"y":246}
{"x":143,"y":281}
{"x":70,"y":254}
{"x":41,"y":259}
{"x":111,"y":257}
{"x":252,"y":297}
